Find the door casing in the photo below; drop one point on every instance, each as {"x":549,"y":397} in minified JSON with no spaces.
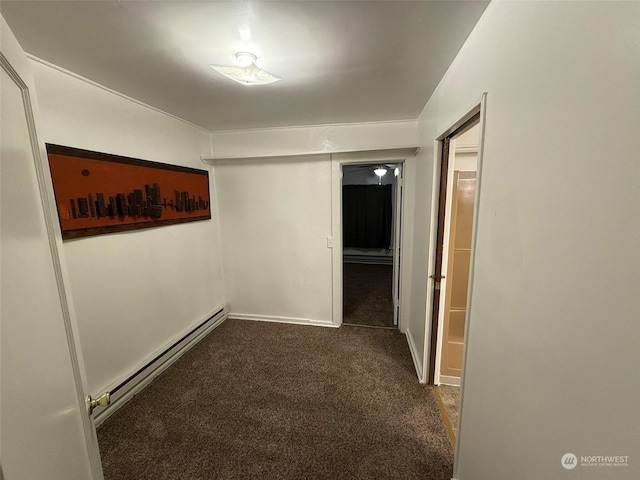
{"x":474,"y":115}
{"x":479,"y":108}
{"x":359,"y":158}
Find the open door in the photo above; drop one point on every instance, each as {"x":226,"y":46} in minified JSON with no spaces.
{"x":397,"y":243}
{"x":439,"y":274}
{"x":46,"y":429}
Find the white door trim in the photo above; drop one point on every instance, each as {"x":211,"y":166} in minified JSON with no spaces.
{"x":337,"y":161}
{"x":478,"y":107}
{"x":472,"y":263}
{"x":481,"y":107}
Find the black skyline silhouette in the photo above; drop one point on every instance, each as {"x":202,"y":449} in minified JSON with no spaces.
{"x":138,"y":203}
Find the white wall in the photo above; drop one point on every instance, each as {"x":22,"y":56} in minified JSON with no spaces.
{"x":276,"y":214}
{"x":465,"y":162}
{"x":275,"y":217}
{"x":552,"y":359}
{"x":133,"y":292}
{"x":315,"y":139}
{"x":468,"y":138}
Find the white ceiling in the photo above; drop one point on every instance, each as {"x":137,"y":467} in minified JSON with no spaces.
{"x":342,"y":61}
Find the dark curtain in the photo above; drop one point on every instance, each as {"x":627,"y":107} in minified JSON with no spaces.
{"x":366,"y":216}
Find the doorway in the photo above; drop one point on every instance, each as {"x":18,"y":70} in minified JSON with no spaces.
{"x":458,"y":224}
{"x":402,"y":159}
{"x":370,"y":236}
{"x":457,"y":198}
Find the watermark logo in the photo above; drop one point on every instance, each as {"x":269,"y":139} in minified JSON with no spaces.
{"x":569,"y":461}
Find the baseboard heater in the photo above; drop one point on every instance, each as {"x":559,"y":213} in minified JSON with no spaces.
{"x":134,"y":383}
{"x":368,"y":259}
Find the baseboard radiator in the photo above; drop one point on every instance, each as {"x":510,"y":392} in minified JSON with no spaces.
{"x":130,"y":386}
{"x":368,"y":259}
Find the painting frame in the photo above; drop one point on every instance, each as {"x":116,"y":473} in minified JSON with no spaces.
{"x":101,"y":193}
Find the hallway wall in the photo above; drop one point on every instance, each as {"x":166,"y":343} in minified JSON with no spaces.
{"x":553,"y":326}
{"x":314,"y":139}
{"x":276,"y":214}
{"x":134,"y":292}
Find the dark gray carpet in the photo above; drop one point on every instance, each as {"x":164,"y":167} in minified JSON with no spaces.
{"x":368,"y":294}
{"x":272,"y":401}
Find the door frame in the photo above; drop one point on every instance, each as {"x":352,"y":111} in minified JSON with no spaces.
{"x":479,"y":108}
{"x":50,"y":214}
{"x":446,"y":258}
{"x":431,"y":321}
{"x":338,"y":160}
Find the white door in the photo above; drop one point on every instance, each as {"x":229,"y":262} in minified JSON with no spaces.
{"x":397,"y":243}
{"x":45,"y":430}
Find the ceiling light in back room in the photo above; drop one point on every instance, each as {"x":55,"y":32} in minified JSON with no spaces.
{"x":247,"y":72}
{"x":380,"y":171}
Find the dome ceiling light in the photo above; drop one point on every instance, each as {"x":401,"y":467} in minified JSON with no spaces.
{"x":247,"y":72}
{"x":380,"y":171}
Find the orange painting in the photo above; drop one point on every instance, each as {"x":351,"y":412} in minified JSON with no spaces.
{"x":98,"y":193}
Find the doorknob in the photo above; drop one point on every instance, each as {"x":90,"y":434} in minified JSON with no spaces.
{"x":103,"y":400}
{"x":437,"y":277}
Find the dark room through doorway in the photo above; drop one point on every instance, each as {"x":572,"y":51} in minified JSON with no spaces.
{"x":370,"y":194}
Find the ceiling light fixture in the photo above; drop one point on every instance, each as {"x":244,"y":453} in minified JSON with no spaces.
{"x":380,"y":171}
{"x":247,"y":72}
{"x":245,"y":59}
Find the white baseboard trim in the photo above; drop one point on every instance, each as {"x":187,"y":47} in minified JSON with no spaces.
{"x":274,"y":319}
{"x":448,"y":380}
{"x":413,"y":350}
{"x":137,"y":384}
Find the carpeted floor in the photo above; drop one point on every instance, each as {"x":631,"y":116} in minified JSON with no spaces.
{"x":272,"y":401}
{"x":368,"y":294}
